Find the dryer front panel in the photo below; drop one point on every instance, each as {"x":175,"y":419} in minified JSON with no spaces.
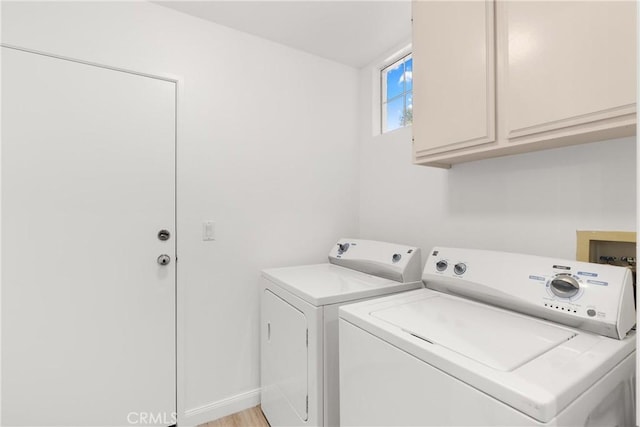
{"x":284,"y":361}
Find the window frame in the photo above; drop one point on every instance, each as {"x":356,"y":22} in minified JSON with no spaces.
{"x":402,"y":57}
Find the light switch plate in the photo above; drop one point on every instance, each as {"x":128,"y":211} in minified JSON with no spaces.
{"x":208,"y":231}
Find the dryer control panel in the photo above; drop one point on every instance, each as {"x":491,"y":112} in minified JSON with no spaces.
{"x":593,"y":297}
{"x":389,"y":260}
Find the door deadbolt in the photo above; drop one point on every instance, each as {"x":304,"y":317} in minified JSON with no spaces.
{"x":164,"y":235}
{"x":164,"y":259}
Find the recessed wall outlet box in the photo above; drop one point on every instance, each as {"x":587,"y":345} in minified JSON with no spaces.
{"x":608,"y":247}
{"x":613,"y":247}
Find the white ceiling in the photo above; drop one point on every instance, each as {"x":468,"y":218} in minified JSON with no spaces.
{"x":353,"y":32}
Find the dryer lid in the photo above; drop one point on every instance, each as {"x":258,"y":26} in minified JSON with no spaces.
{"x":491,"y":336}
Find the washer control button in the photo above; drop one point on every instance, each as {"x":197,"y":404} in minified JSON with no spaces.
{"x":591,"y":312}
{"x":460,"y":268}
{"x":396,"y":257}
{"x":441,"y":265}
{"x":564,"y":286}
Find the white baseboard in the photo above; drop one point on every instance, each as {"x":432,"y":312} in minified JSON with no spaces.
{"x":222,"y":408}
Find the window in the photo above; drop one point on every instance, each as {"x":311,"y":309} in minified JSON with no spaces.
{"x":397,"y":94}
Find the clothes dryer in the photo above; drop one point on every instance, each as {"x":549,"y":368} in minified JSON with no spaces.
{"x":299,"y":324}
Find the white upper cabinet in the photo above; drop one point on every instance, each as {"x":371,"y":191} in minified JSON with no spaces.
{"x":568,"y":64}
{"x":565,"y":74}
{"x":454,"y":91}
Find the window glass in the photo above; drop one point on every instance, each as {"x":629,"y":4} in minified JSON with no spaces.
{"x":395,"y":81}
{"x":407,"y":114}
{"x":394,"y":111}
{"x":408,"y":74}
{"x":397,"y":95}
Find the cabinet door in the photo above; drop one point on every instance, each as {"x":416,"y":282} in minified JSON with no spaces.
{"x":569,"y":64}
{"x":454,"y":87}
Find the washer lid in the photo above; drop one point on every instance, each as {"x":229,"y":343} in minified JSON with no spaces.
{"x":541,"y":388}
{"x":495,"y":338}
{"x":322,"y":284}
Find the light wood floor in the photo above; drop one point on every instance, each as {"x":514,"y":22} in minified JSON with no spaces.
{"x":251,"y":417}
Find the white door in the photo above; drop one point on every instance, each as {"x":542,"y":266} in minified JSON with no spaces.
{"x":88,"y":180}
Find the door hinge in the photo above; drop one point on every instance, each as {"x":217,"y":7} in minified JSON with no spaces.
{"x":307,"y":403}
{"x":307,"y":341}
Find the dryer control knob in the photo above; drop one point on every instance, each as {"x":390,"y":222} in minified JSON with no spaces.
{"x":460,"y":268}
{"x":342,"y":248}
{"x":441,"y":265}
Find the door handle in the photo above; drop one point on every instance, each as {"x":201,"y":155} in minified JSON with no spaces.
{"x":164,"y":259}
{"x":164,"y":235}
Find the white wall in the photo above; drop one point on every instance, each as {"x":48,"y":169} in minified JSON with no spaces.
{"x":267,"y":149}
{"x":531,"y":203}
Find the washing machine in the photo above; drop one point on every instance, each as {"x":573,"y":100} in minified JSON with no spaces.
{"x":299,"y":324}
{"x":494,"y":339}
